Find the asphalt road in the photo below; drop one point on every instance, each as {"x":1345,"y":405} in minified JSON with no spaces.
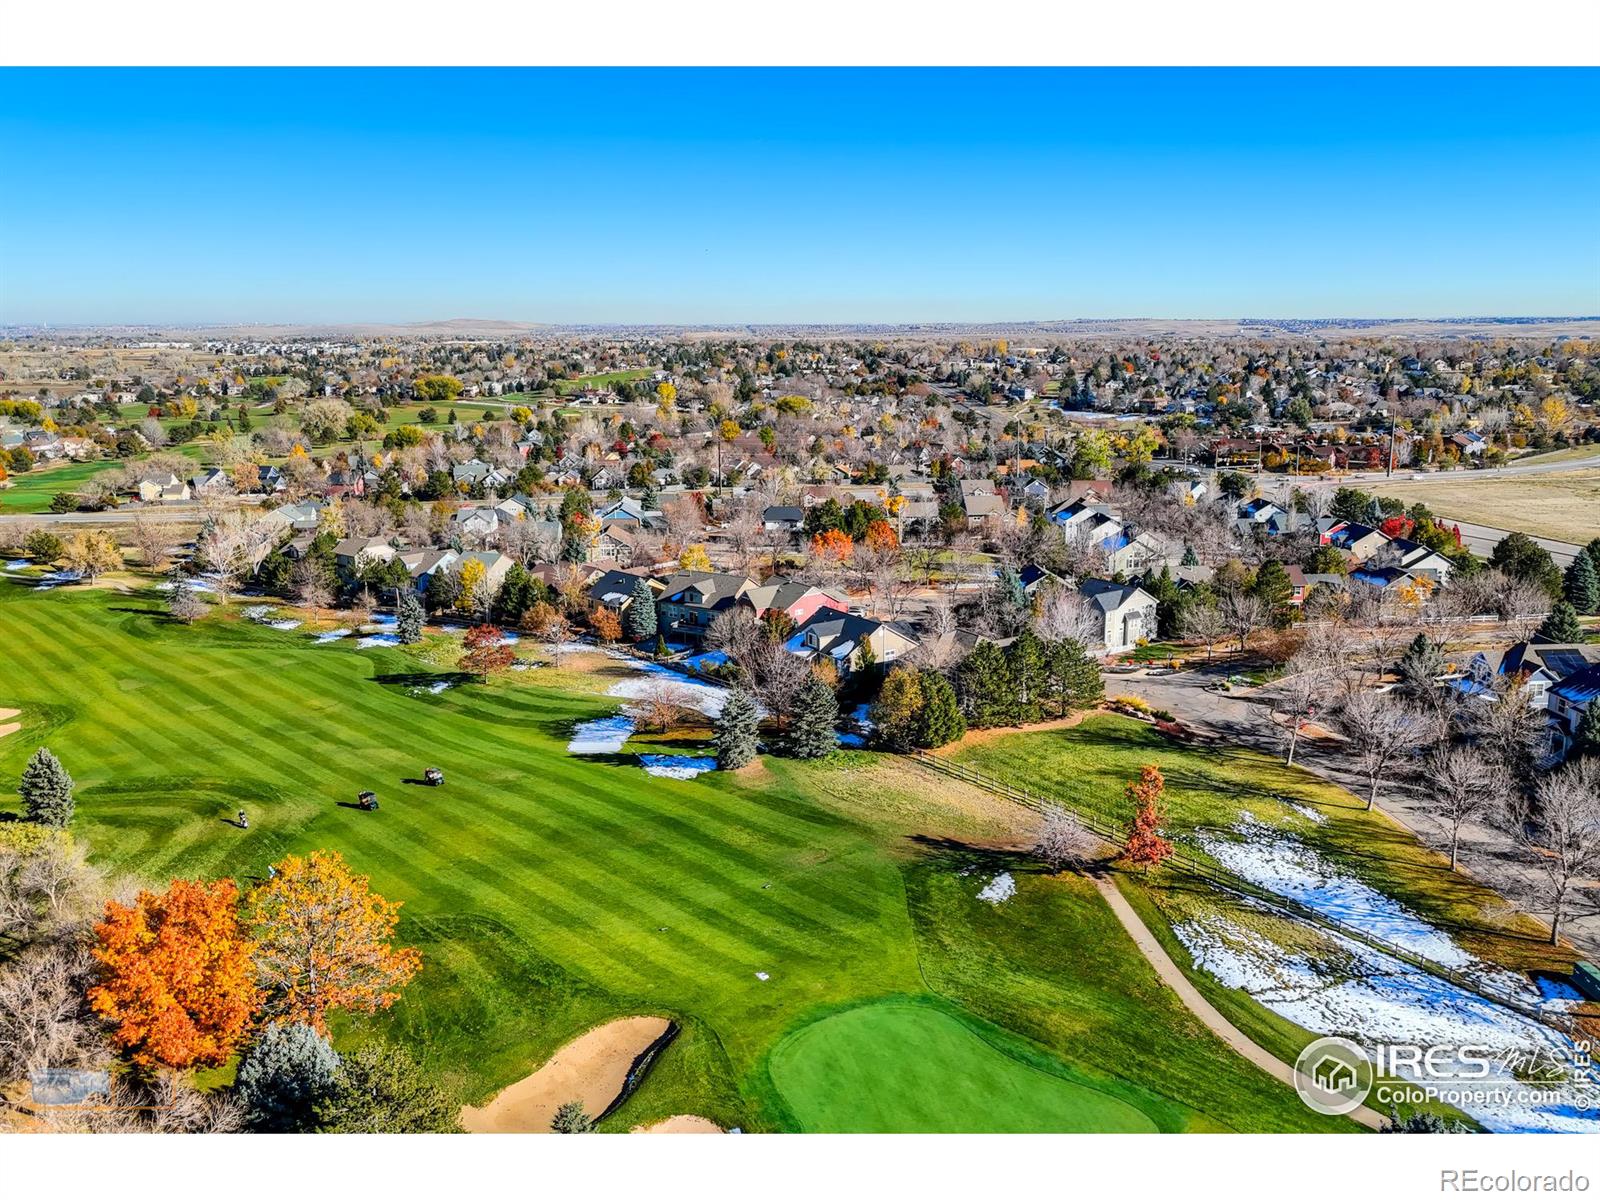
{"x":191,"y":513}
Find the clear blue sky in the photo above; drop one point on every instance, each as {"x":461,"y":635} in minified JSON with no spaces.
{"x":755,"y":196}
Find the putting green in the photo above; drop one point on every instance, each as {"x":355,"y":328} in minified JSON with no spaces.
{"x":899,"y":1067}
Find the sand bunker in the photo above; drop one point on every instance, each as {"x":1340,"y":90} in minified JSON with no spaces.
{"x":7,"y":725}
{"x":590,"y":1069}
{"x":682,"y":1123}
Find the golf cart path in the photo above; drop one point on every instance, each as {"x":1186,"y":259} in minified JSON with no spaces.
{"x":1202,"y":1008}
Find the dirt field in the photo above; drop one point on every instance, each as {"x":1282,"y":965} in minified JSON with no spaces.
{"x":1561,"y":505}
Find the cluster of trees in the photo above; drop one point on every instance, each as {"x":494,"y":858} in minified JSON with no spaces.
{"x":1029,"y":680}
{"x":1473,"y":752}
{"x":165,"y":981}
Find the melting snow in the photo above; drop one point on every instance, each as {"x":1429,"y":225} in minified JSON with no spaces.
{"x":1309,"y":813}
{"x":708,"y":698}
{"x":1376,"y":999}
{"x":433,"y":689}
{"x":1285,"y":865}
{"x":1001,"y":888}
{"x":331,"y":635}
{"x":19,"y":564}
{"x":602,"y":736}
{"x":378,"y":639}
{"x":283,"y":624}
{"x":677,"y":766}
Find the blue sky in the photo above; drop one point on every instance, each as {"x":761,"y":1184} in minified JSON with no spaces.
{"x":771,"y":196}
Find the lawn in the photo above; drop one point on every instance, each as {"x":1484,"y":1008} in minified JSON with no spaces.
{"x":565,"y":386}
{"x":32,"y":491}
{"x":548,"y":893}
{"x":1564,"y":505}
{"x":1211,"y":787}
{"x":886,"y":1068}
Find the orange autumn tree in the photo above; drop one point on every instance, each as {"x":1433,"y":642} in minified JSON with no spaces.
{"x":324,"y":941}
{"x":176,"y":975}
{"x":881,"y":536}
{"x":606,"y":624}
{"x":832,"y":544}
{"x":1146,"y":847}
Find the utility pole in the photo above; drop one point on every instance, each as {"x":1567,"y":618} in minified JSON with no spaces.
{"x":1389,"y":469}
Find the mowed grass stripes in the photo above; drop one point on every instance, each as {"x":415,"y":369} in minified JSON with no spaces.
{"x":547,"y":892}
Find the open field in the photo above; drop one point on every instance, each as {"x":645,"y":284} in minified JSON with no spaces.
{"x":32,"y":491}
{"x":1564,"y":505}
{"x":564,"y":386}
{"x":550,"y":893}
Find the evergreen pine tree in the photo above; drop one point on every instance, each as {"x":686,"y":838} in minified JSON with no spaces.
{"x":408,"y":617}
{"x":1561,"y":625}
{"x":1190,"y":558}
{"x":736,"y":727}
{"x":1273,"y":588}
{"x":1582,"y":584}
{"x":816,"y":712}
{"x":1587,"y":739}
{"x":984,"y":681}
{"x":941,"y":721}
{"x":1072,"y":678}
{"x":283,"y":1076}
{"x":1025,"y":663}
{"x":1592,"y":553}
{"x":640,"y":622}
{"x":46,"y":790}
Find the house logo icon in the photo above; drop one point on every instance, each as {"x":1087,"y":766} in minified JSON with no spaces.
{"x":1333,"y":1076}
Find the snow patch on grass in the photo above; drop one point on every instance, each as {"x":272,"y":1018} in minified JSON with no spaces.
{"x":331,"y":635}
{"x":999,"y":889}
{"x":707,"y":697}
{"x":1283,"y":864}
{"x":1373,"y":998}
{"x":378,"y":639}
{"x":677,"y":766}
{"x":605,"y":735}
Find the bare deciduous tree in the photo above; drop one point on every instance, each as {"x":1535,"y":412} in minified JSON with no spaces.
{"x":1382,"y":732}
{"x":1465,"y":783}
{"x":1063,"y":842}
{"x":1562,"y":837}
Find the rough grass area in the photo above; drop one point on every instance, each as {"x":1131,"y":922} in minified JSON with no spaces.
{"x":549,"y":893}
{"x":1212,"y":786}
{"x":1560,"y":504}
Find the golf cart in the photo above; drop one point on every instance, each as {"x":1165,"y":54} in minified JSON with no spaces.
{"x":367,"y":802}
{"x":433,"y":777}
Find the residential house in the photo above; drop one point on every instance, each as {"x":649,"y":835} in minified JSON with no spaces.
{"x":423,"y":565}
{"x":785,"y":518}
{"x":1127,"y":611}
{"x":839,"y":637}
{"x":352,"y":555}
{"x":159,"y":489}
{"x":797,"y":601}
{"x":691,"y":600}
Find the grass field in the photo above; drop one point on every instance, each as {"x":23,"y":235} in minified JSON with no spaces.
{"x":548,"y":893}
{"x":564,"y":386}
{"x":1564,"y":505}
{"x":1210,"y":787}
{"x":32,"y":491}
{"x":886,"y":1067}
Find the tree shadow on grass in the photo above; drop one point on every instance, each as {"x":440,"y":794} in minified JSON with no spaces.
{"x":425,"y":678}
{"x":956,"y":855}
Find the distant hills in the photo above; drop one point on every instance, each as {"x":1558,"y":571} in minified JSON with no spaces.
{"x":1109,"y":328}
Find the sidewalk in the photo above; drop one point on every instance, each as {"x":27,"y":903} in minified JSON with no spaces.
{"x":1202,"y":1008}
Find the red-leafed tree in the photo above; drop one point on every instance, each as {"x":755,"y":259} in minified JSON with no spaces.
{"x":1399,"y":526}
{"x":485,"y":651}
{"x":1146,"y":847}
{"x":177,"y":977}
